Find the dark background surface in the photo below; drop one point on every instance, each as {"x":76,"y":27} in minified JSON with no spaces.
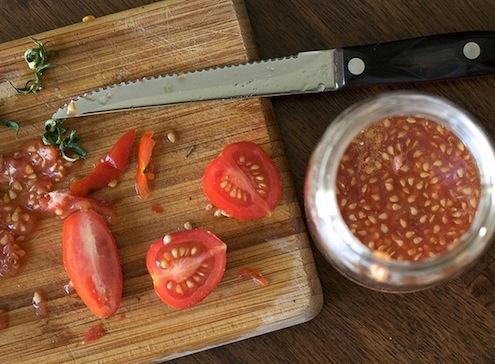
{"x":453,"y":323}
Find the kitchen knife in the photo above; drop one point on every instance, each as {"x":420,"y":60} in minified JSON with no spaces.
{"x":429,"y":58}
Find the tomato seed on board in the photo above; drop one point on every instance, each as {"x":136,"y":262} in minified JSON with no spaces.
{"x":408,"y":188}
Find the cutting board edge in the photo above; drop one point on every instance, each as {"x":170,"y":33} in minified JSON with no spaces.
{"x":250,"y":335}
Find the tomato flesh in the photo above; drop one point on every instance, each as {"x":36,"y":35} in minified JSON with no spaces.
{"x":92,"y":262}
{"x":145,"y":166}
{"x":62,"y":203}
{"x":243,"y":181}
{"x":186,"y":266}
{"x":110,"y":168}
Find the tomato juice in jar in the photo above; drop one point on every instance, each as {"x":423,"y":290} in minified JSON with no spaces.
{"x":399,"y":192}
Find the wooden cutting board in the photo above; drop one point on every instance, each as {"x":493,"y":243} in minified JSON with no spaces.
{"x":164,"y":37}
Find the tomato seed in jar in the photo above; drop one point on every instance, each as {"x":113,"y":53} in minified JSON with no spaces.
{"x":408,"y":188}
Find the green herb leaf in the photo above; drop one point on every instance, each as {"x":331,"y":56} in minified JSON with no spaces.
{"x":11,"y":125}
{"x":36,"y":59}
{"x":70,"y":146}
{"x":189,"y":151}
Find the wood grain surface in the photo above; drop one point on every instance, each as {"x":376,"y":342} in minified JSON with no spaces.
{"x":159,"y":38}
{"x":453,"y":323}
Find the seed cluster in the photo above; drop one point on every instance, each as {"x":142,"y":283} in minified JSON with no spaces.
{"x":235,"y":188}
{"x":25,"y":177}
{"x":408,"y":188}
{"x":177,"y":256}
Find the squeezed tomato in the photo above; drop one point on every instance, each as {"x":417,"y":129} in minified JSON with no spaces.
{"x":408,"y":188}
{"x":26,"y":176}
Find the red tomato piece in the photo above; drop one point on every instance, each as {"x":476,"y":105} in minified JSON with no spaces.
{"x":186,"y":266}
{"x":255,"y":275}
{"x":92,"y":262}
{"x":62,"y":203}
{"x":145,"y":165}
{"x":110,"y":168}
{"x":243,"y":181}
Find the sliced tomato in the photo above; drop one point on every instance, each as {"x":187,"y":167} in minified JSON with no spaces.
{"x":62,"y":203}
{"x":243,"y":181}
{"x":145,"y":165}
{"x":110,"y":168}
{"x":92,"y":262}
{"x":186,"y":266}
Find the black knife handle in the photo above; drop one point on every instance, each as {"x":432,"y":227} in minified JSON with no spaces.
{"x":443,"y":56}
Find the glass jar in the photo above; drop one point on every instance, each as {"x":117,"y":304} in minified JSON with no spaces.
{"x":332,"y":234}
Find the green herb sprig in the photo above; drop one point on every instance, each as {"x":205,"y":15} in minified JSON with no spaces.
{"x":11,"y":125}
{"x":37,"y":60}
{"x":70,"y":146}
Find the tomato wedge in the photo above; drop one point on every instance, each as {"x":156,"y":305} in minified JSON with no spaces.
{"x":186,"y":266}
{"x":243,"y":181}
{"x":145,"y":166}
{"x":110,"y":168}
{"x":92,"y":262}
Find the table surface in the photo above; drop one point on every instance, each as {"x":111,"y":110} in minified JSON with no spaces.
{"x":454,"y":322}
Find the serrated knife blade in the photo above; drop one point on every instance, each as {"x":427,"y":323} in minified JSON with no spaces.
{"x":429,"y":58}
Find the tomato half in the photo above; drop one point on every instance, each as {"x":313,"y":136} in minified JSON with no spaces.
{"x":243,"y":181}
{"x":110,"y":168}
{"x":92,"y":262}
{"x":145,"y":166}
{"x":186,"y":266}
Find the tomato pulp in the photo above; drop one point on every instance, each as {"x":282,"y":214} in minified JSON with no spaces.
{"x":92,"y":262}
{"x":186,"y":266}
{"x":27,"y":175}
{"x":243,"y":181}
{"x":407,"y":188}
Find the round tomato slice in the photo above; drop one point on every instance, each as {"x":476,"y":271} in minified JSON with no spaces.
{"x":186,"y":266}
{"x":92,"y":262}
{"x":243,"y":181}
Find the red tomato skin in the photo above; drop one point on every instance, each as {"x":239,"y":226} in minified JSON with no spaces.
{"x":92,"y":262}
{"x":118,"y":157}
{"x":110,"y":168}
{"x":213,"y":251}
{"x":145,"y":172}
{"x":99,"y":177}
{"x":255,"y":205}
